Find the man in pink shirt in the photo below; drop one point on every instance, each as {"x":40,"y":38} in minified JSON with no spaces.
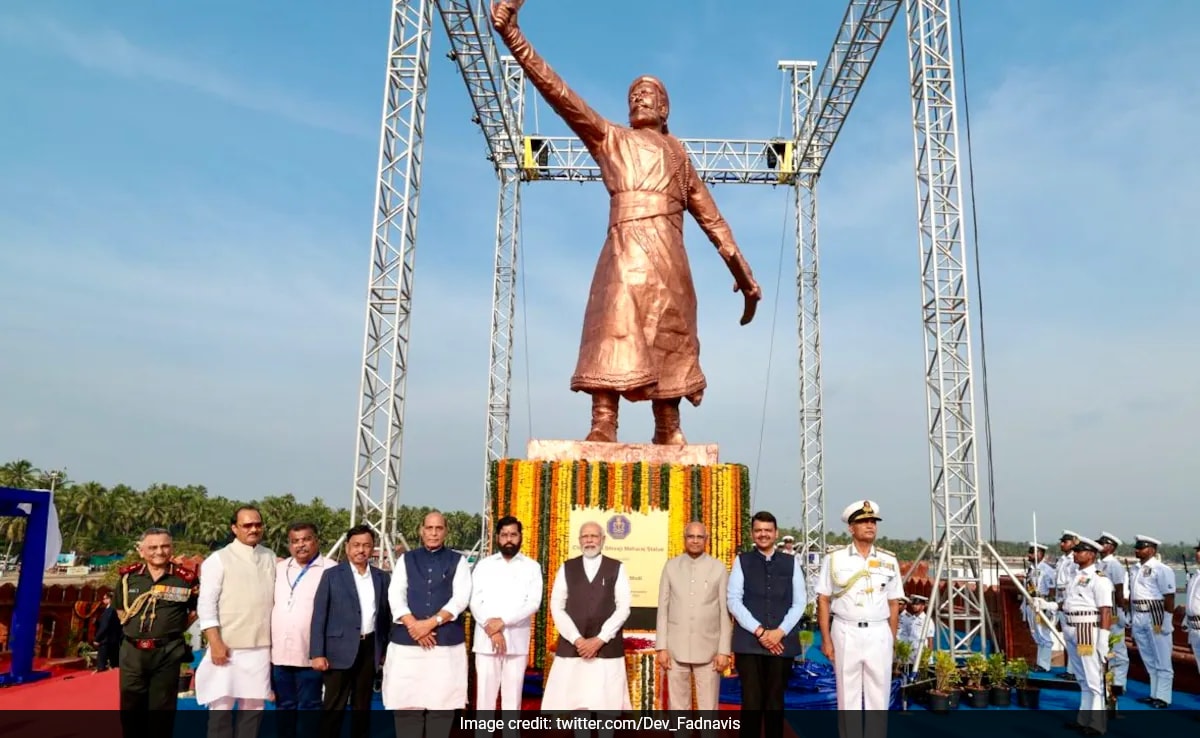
{"x":296,"y":684}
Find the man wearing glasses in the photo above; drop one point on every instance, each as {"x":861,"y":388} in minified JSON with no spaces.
{"x":693,"y":631}
{"x":237,"y":590}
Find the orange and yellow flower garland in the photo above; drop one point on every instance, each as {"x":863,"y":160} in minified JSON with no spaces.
{"x":541,"y":495}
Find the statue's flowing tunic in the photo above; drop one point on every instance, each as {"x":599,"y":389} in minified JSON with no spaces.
{"x":639,"y":330}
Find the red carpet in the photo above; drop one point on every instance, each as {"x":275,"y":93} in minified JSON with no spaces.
{"x":78,"y":690}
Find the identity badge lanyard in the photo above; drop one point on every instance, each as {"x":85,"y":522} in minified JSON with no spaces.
{"x":292,"y":593}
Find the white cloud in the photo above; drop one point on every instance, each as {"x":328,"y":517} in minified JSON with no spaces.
{"x":111,"y":52}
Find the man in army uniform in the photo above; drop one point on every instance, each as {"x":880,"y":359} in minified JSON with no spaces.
{"x":156,"y":601}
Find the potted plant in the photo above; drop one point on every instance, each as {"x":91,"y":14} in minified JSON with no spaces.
{"x":974,"y":669}
{"x":901,"y":656}
{"x":999,"y":694}
{"x":944,"y":695}
{"x":1027,"y":696}
{"x":806,"y":640}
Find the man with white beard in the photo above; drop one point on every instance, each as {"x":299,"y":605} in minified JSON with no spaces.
{"x":590,"y":601}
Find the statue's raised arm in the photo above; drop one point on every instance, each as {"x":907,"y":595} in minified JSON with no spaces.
{"x":589,"y":125}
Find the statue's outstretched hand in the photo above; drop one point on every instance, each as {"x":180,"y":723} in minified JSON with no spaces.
{"x":752,"y":294}
{"x":504,"y":14}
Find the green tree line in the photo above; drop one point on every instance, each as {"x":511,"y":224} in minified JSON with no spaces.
{"x":95,"y":518}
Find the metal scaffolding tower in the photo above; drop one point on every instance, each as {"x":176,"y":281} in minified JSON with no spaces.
{"x":819,"y":110}
{"x":389,"y":289}
{"x":823,"y":111}
{"x":959,"y":611}
{"x":808,"y":325}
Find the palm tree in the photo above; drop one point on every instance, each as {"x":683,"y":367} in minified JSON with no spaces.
{"x":90,"y":506}
{"x":21,"y":474}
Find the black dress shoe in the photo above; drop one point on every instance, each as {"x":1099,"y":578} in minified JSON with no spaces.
{"x":1159,"y":705}
{"x":1068,"y":676}
{"x":1145,"y":700}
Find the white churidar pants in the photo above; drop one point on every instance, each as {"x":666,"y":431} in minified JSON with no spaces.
{"x":503,"y":676}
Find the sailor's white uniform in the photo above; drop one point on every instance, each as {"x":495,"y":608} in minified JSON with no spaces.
{"x":1151,"y":582}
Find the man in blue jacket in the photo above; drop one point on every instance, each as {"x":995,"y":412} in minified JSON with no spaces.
{"x":767,"y":595}
{"x":350,"y":627}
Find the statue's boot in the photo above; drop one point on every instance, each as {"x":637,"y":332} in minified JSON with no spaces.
{"x":666,"y":423}
{"x":604,"y":417}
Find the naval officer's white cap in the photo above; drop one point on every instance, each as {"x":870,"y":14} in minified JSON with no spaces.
{"x":861,"y":510}
{"x":1106,"y":537}
{"x":1037,"y":546}
{"x":1141,"y":541}
{"x":1086,"y":544}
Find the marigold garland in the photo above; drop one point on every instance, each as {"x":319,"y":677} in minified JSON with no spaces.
{"x":541,"y":494}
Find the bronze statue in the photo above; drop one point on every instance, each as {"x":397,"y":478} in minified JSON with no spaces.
{"x":639,"y":330}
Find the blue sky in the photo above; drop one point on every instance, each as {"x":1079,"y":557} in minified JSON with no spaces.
{"x":186,"y":208}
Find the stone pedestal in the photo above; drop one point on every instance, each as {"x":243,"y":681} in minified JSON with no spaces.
{"x":545,"y":450}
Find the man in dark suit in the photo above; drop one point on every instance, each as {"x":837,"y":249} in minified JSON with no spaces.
{"x":108,"y":636}
{"x":350,"y":626}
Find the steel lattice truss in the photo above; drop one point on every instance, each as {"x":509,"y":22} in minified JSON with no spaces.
{"x":864,"y":28}
{"x":808,"y":323}
{"x":496,"y":88}
{"x":717,"y":161}
{"x":960,"y":611}
{"x":389,"y":290}
{"x":504,"y":296}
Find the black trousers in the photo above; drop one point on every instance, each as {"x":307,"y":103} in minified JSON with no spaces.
{"x":356,"y":686}
{"x":108,"y":655}
{"x":150,"y":689}
{"x":764,"y":679}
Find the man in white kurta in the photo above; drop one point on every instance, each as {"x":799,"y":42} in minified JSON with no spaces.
{"x":506,"y":591}
{"x":425,"y":671}
{"x":590,"y":601}
{"x":237,"y":590}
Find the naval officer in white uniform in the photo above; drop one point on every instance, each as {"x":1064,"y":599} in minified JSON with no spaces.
{"x":858,"y":607}
{"x":1118,"y":659}
{"x":1152,"y":600}
{"x":1087,"y":607}
{"x":1192,"y":610}
{"x":1064,"y":569}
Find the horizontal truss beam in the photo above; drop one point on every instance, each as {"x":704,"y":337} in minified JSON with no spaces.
{"x":717,"y":161}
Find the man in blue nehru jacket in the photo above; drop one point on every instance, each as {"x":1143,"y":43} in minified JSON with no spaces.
{"x":767,"y":596}
{"x":425,"y":673}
